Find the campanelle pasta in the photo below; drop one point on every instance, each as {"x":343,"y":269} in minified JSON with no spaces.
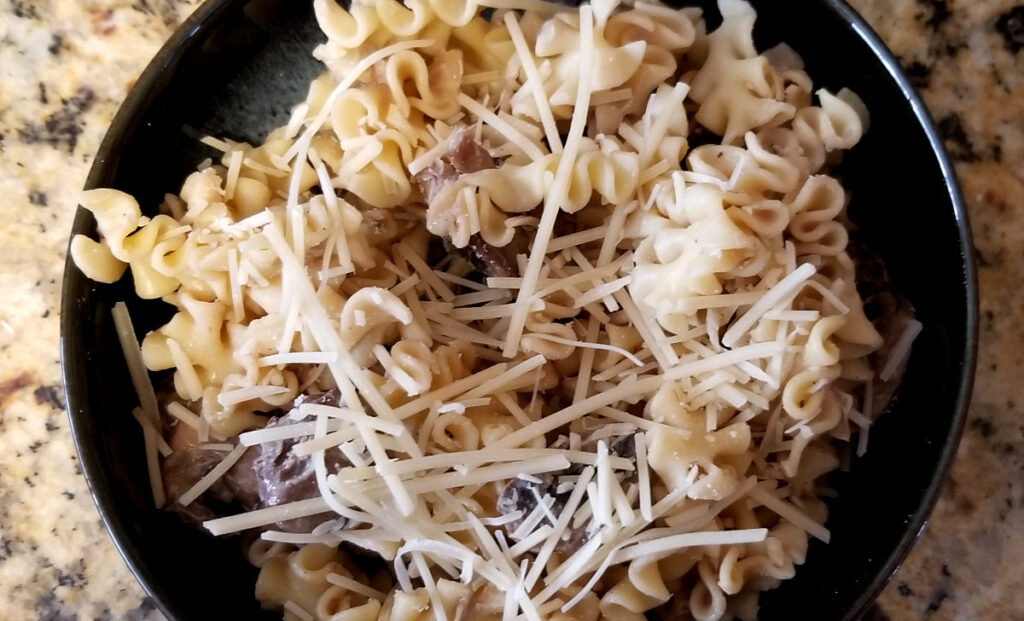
{"x":530,"y":311}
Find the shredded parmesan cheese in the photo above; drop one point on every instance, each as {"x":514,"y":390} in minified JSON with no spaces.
{"x":147,"y":398}
{"x":556,"y":194}
{"x":791,"y":513}
{"x":901,"y":350}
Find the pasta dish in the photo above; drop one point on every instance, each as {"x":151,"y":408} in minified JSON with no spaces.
{"x":530,"y":312}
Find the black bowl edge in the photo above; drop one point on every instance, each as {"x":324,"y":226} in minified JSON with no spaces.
{"x":917,"y":525}
{"x":74,"y":318}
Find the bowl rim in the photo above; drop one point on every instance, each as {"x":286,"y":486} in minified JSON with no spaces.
{"x":73,"y":363}
{"x":187,"y":35}
{"x":915,"y":527}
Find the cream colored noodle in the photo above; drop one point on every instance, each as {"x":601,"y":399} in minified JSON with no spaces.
{"x":731,"y":334}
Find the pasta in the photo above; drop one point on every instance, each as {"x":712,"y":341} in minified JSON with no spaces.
{"x":530,"y":310}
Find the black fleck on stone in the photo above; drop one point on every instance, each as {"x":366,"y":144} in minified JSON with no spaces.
{"x":50,"y":608}
{"x":936,"y":602}
{"x":904,"y":590}
{"x":165,"y":9}
{"x":918,"y":73}
{"x":983,"y":426}
{"x":25,"y":9}
{"x":986,"y":259}
{"x":1011,"y":25}
{"x":939,"y":14}
{"x":945,"y":571}
{"x":142,"y":6}
{"x":56,"y":44}
{"x":68,"y":494}
{"x":6,"y":548}
{"x":38,"y":198}
{"x":959,"y":145}
{"x":42,"y":94}
{"x":62,"y":128}
{"x":71,"y":579}
{"x":142,"y":611}
{"x":49,"y":394}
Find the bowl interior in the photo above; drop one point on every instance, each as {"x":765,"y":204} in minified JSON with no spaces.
{"x":236,"y":68}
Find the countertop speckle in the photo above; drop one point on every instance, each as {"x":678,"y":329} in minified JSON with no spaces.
{"x":65,"y":66}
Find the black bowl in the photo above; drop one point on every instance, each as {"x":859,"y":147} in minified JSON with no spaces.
{"x":236,"y":67}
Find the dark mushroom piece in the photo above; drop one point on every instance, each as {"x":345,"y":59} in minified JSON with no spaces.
{"x":183,"y":468}
{"x":524,"y":495}
{"x":890,"y":312}
{"x":282,"y":477}
{"x":266,"y":475}
{"x":464,"y":156}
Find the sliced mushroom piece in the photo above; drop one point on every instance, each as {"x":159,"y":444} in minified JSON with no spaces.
{"x":467,"y":155}
{"x":524,"y":495}
{"x":464,"y":155}
{"x":183,"y":468}
{"x":282,"y":477}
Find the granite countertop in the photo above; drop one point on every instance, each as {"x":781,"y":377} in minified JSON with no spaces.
{"x":65,"y":65}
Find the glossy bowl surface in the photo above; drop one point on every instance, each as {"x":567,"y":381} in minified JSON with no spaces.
{"x":236,"y":67}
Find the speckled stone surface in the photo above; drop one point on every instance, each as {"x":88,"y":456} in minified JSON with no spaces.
{"x":65,"y":65}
